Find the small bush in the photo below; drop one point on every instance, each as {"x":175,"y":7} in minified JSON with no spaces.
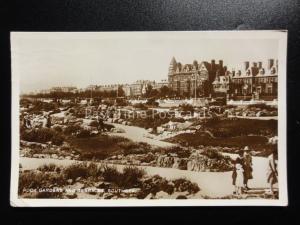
{"x":212,"y":154}
{"x":111,"y":174}
{"x":49,"y":195}
{"x":84,"y":134}
{"x":76,"y":170}
{"x":94,"y":123}
{"x":73,"y":129}
{"x":58,"y":129}
{"x":131,"y":177}
{"x":41,"y":135}
{"x":47,"y":168}
{"x":57,"y":139}
{"x":182,"y":185}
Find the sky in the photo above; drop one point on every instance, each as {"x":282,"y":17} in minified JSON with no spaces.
{"x":44,"y":60}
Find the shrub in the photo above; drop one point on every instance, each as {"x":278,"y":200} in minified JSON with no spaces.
{"x":140,"y":106}
{"x":134,"y":148}
{"x":212,"y":154}
{"x":182,"y":185}
{"x":83,"y":134}
{"x":73,"y":129}
{"x":131,"y":177}
{"x":94,"y":155}
{"x":36,"y":180}
{"x":47,"y":168}
{"x":111,"y":174}
{"x":49,"y":195}
{"x":94,"y":170}
{"x":94,"y":123}
{"x":57,"y":139}
{"x":76,"y":170}
{"x":58,"y":129}
{"x":41,"y":135}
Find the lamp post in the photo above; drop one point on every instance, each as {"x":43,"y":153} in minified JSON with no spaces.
{"x":195,"y":76}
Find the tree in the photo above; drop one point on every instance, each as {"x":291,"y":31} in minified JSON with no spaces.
{"x":164,"y":91}
{"x":121,"y":92}
{"x":148,"y":90}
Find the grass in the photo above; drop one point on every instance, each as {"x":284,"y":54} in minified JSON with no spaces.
{"x":204,"y":139}
{"x":233,"y":127}
{"x":103,"y":146}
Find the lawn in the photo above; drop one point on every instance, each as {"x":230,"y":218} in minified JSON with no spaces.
{"x":204,"y":139}
{"x":104,"y":146}
{"x":233,"y":127}
{"x":99,"y":147}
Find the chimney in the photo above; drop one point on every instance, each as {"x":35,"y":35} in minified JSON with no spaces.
{"x":270,"y":63}
{"x":213,"y":64}
{"x":254,"y":64}
{"x":221,"y":63}
{"x":246,"y":65}
{"x":259,"y":65}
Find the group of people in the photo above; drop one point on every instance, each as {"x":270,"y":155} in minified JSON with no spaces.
{"x":242,"y":171}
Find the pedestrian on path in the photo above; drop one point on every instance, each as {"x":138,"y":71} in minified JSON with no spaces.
{"x":247,"y":166}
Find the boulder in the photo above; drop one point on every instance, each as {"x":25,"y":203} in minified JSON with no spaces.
{"x":108,"y":196}
{"x":70,"y":181}
{"x":54,"y":156}
{"x":180,"y":163}
{"x":71,"y":195}
{"x":165,"y":161}
{"x":162,"y":195}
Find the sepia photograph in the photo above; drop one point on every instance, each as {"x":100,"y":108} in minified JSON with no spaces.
{"x":177,"y":118}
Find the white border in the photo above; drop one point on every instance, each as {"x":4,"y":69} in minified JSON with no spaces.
{"x":282,"y":165}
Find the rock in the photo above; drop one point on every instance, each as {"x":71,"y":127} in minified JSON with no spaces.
{"x":165,"y":161}
{"x":181,"y":197}
{"x":54,"y":156}
{"x":150,"y":196}
{"x":162,"y":195}
{"x":70,"y":181}
{"x":78,"y":179}
{"x":180,"y":164}
{"x":107,"y":195}
{"x":104,"y":185}
{"x":117,"y":130}
{"x":71,"y":195}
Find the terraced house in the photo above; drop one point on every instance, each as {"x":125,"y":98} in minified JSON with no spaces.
{"x":256,"y":81}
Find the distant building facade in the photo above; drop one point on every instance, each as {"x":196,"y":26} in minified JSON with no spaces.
{"x":63,"y":89}
{"x":258,"y":80}
{"x":188,"y":79}
{"x":213,"y":79}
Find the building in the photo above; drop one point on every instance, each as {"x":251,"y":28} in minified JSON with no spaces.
{"x":222,"y":84}
{"x":194,"y":79}
{"x":63,"y":89}
{"x":160,"y":84}
{"x":137,"y":88}
{"x":107,"y":88}
{"x":256,"y":81}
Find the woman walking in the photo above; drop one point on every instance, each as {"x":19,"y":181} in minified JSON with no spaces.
{"x":247,"y":166}
{"x":238,"y":174}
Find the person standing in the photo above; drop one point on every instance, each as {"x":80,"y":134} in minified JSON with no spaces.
{"x":238,"y":174}
{"x":247,"y":166}
{"x":272,"y":174}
